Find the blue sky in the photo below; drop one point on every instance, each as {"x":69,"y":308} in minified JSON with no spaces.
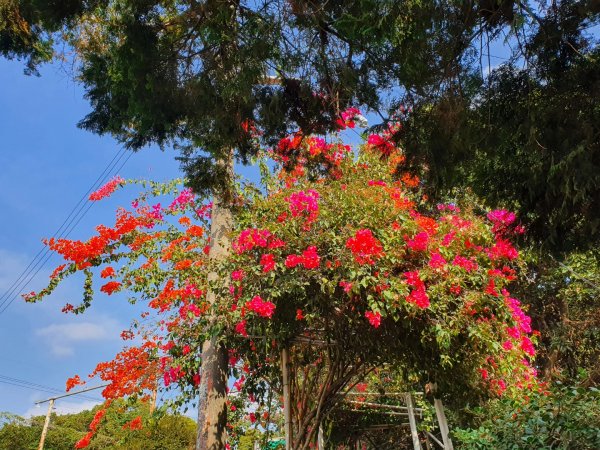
{"x":46,"y":165}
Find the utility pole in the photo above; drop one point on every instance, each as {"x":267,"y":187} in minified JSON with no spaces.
{"x":46,"y":423}
{"x":51,"y":407}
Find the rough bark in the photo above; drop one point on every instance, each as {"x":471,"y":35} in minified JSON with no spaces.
{"x":212,"y":408}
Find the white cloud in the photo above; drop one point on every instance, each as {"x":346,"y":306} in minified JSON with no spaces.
{"x":62,"y":338}
{"x":61,"y":407}
{"x":84,"y":331}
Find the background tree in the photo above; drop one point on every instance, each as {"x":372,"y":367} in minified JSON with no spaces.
{"x":159,"y":432}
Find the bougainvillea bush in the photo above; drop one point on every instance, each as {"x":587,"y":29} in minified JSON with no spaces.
{"x":340,"y":259}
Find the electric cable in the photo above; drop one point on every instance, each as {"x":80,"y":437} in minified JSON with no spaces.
{"x":68,"y":225}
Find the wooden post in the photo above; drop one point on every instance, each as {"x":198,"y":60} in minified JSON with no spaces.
{"x":441,"y":416}
{"x":287,"y":411}
{"x":46,"y":424}
{"x":412,"y":421}
{"x":320,"y":439}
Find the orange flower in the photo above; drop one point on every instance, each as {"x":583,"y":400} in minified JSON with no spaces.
{"x":135,"y":424}
{"x":107,"y":272}
{"x":195,"y":231}
{"x":110,"y":287}
{"x":182,"y":265}
{"x":72,"y":382}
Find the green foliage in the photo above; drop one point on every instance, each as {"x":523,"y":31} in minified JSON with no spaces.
{"x":27,"y":27}
{"x":566,"y":418}
{"x":525,"y":138}
{"x":563,"y":299}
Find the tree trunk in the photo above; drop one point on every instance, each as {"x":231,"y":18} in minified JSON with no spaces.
{"x":212,"y":407}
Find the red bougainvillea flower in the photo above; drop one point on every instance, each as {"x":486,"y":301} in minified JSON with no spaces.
{"x":502,"y":249}
{"x":261,"y":307}
{"x":418,"y":296}
{"x":240,"y":328}
{"x":365,"y":247}
{"x":84,"y":441}
{"x":107,"y":189}
{"x":374,"y":318}
{"x":292,"y":261}
{"x":381,"y":144}
{"x":361,"y":387}
{"x":310,"y":258}
{"x":267,"y":261}
{"x":172,"y":375}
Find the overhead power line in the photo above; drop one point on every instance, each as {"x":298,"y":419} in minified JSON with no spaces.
{"x":36,"y":387}
{"x":71,"y":221}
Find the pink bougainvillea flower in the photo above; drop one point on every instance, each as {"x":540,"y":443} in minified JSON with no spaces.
{"x":237,"y":275}
{"x":381,"y":144}
{"x":346,"y":285}
{"x":418,"y":243}
{"x":501,"y":217}
{"x":261,"y":307}
{"x":304,"y":204}
{"x":107,"y":189}
{"x":437,"y":261}
{"x":185,"y":197}
{"x":468,"y":264}
{"x":250,"y":238}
